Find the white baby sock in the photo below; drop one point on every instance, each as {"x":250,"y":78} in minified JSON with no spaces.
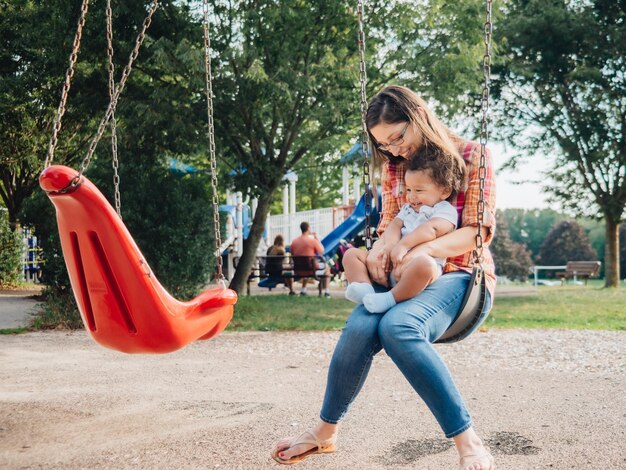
{"x":357,"y":290}
{"x":379,"y":303}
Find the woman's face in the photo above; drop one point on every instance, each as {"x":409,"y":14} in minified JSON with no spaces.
{"x":398,"y":139}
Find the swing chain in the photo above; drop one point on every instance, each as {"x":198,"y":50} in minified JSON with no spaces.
{"x":69,"y":74}
{"x":211,"y":135}
{"x":365,"y":140}
{"x":120,"y":87}
{"x":482,"y":169}
{"x":115,"y":163}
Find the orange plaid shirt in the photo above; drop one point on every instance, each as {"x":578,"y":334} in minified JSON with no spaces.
{"x":393,"y":198}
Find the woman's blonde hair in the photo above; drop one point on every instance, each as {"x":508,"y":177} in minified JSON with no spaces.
{"x":395,"y":104}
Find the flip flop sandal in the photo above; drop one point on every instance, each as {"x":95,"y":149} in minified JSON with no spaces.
{"x":307,"y":437}
{"x":467,"y":459}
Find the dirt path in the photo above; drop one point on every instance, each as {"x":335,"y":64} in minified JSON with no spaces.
{"x":542,"y":399}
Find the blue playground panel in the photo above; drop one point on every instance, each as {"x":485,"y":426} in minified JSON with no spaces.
{"x":350,"y":227}
{"x":347,"y":230}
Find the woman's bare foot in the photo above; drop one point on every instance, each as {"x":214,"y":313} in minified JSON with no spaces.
{"x":323,"y":432}
{"x":472,"y":452}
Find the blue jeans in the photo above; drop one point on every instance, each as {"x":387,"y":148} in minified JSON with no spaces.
{"x":407,"y":332}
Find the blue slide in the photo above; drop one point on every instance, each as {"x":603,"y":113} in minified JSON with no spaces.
{"x":347,"y":230}
{"x":350,"y":227}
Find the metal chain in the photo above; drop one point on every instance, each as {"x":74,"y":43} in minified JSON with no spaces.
{"x":118,"y":90}
{"x":365,"y":140}
{"x":69,"y":74}
{"x":116,"y":176}
{"x":211,"y":135}
{"x":482,"y":169}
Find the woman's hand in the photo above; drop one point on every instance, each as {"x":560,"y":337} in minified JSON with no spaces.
{"x":398,"y":253}
{"x":419,"y":250}
{"x":378,"y":263}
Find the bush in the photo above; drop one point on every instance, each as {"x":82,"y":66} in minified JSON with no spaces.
{"x":59,"y":311}
{"x":512,"y":259}
{"x":10,"y":253}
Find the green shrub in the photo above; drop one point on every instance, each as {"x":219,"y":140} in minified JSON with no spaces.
{"x":10,"y":253}
{"x":59,"y":310}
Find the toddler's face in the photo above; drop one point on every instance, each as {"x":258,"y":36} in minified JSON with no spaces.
{"x":422,"y":190}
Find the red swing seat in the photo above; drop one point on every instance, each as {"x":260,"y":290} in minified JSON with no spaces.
{"x":122,"y":304}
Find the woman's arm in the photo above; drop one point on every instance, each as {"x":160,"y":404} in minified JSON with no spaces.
{"x":452,"y":244}
{"x":447,"y":246}
{"x":425,"y":233}
{"x":389,"y":206}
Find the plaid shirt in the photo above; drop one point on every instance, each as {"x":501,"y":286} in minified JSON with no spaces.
{"x":393,"y":198}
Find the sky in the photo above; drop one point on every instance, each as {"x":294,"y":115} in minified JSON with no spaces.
{"x":518,"y":196}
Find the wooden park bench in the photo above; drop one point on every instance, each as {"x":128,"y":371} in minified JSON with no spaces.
{"x":579,"y":270}
{"x":274,"y":270}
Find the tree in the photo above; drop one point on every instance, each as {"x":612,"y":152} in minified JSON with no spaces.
{"x":622,"y":244}
{"x":563,"y":80}
{"x":287,"y":74}
{"x":10,"y":253}
{"x":31,"y":73}
{"x":530,"y":226}
{"x":567,"y":241}
{"x":511,"y":259}
{"x":161,"y":114}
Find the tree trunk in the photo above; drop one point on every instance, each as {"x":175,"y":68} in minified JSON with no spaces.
{"x":251,"y":244}
{"x":611,"y":254}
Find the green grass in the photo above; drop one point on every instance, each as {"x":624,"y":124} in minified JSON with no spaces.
{"x":14,"y":331}
{"x":283,"y":312}
{"x":569,"y":307}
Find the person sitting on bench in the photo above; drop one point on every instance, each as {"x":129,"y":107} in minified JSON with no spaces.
{"x":307,"y":244}
{"x":274,"y":264}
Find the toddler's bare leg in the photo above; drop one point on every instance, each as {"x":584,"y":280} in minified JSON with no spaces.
{"x":419,"y":274}
{"x":355,"y":267}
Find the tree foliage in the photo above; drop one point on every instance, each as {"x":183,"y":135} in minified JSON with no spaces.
{"x":530,"y":226}
{"x":622,"y":244}
{"x":512,"y":259}
{"x":563,"y":80}
{"x":567,"y":241}
{"x":285,"y":85}
{"x":287,"y":75}
{"x":10,"y":253}
{"x":161,"y":114}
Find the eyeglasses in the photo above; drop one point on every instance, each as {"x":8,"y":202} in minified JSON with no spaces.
{"x":394,"y":142}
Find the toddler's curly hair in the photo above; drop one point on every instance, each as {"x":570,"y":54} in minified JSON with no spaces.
{"x":446,"y":170}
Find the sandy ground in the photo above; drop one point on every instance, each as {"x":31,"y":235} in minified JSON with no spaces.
{"x":541,"y":399}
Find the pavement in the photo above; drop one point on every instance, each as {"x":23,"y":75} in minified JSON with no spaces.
{"x":18,"y":307}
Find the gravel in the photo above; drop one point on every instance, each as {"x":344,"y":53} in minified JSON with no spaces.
{"x":540,"y":398}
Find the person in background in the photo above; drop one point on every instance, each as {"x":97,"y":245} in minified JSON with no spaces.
{"x":308,"y":244}
{"x":274,"y":264}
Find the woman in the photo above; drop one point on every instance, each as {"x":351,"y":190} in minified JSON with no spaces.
{"x":399,"y":123}
{"x":274,"y":262}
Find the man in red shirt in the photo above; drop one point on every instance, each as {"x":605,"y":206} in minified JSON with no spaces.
{"x":307,"y":244}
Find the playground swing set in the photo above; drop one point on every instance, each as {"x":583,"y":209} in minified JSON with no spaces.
{"x":122,"y":304}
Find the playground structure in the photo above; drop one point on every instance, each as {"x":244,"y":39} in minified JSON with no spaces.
{"x":332,"y":224}
{"x":31,"y":256}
